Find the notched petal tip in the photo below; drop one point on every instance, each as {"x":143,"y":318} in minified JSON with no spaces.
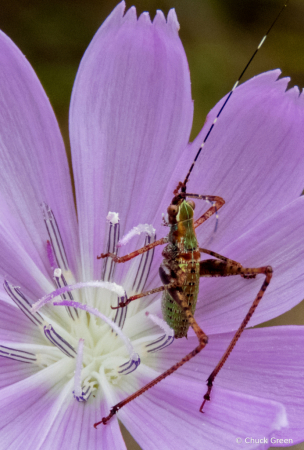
{"x":294,"y":93}
{"x":268,"y":80}
{"x":159,"y":19}
{"x":144,"y":19}
{"x":172,"y":21}
{"x":116,"y":15}
{"x":131,"y":15}
{"x":271,"y":76}
{"x":282,"y":83}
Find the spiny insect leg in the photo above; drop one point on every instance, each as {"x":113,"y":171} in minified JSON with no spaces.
{"x":215,"y":268}
{"x":143,"y":294}
{"x":122,"y":259}
{"x":203,"y":339}
{"x":221,"y":257}
{"x":218,"y":202}
{"x":227,"y":260}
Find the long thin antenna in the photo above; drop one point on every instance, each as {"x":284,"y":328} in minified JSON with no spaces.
{"x":183,"y":187}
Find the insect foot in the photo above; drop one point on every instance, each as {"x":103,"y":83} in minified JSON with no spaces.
{"x":105,"y":420}
{"x":207,"y":395}
{"x":106,"y":255}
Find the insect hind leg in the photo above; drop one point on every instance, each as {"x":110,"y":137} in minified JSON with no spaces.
{"x":215,"y":268}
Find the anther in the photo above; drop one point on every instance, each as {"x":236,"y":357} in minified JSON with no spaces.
{"x":109,"y":264}
{"x":55,"y":237}
{"x":17,"y":355}
{"x":61,"y":282}
{"x":121,"y":313}
{"x":23,"y":303}
{"x":145,"y":262}
{"x":58,"y":341}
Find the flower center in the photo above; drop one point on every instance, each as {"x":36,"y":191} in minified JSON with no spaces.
{"x":96,"y":341}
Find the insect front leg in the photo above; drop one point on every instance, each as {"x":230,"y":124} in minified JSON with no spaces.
{"x":218,"y":202}
{"x":224,"y":268}
{"x":122,"y":259}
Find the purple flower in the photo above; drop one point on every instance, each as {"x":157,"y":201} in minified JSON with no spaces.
{"x":130,"y":119}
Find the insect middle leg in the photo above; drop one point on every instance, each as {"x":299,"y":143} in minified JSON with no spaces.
{"x":122,"y":259}
{"x":224,"y":268}
{"x":202,"y":337}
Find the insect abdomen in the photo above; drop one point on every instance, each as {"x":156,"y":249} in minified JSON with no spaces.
{"x":173,"y":314}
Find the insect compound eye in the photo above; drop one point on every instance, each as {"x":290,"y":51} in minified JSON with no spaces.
{"x":191,"y":203}
{"x":172,"y":210}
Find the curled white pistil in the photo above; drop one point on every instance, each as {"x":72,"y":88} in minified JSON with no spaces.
{"x":141,"y":228}
{"x":161,"y":323}
{"x":101,"y":284}
{"x":165,"y":340}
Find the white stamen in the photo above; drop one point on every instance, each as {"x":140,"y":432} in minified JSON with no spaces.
{"x":102,"y":284}
{"x":57,"y":273}
{"x":77,"y":377}
{"x":134,"y":356}
{"x":113,"y":217}
{"x":141,"y":228}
